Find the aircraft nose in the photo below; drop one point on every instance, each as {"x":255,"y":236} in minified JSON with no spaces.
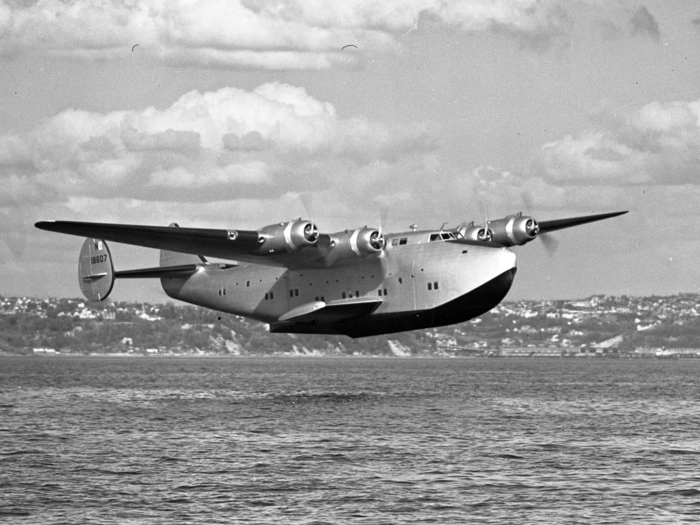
{"x":504,"y":260}
{"x":503,"y":270}
{"x":489,"y":264}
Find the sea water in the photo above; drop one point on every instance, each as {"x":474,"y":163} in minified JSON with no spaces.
{"x":348,"y":440}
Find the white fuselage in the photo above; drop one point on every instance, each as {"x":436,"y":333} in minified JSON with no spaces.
{"x":415,"y":276}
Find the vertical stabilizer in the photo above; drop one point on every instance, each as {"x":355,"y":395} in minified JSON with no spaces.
{"x":95,"y":270}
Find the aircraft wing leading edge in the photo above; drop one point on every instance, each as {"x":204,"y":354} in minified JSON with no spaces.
{"x":224,"y":244}
{"x":560,"y":224}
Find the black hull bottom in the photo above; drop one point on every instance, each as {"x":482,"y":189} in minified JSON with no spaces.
{"x":468,"y":306}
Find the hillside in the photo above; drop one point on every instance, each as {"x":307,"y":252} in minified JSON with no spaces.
{"x":596,"y":326}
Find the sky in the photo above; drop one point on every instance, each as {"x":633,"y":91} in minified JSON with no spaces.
{"x":238,"y":114}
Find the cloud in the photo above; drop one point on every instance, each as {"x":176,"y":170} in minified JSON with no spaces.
{"x":627,"y":156}
{"x":214,"y":146}
{"x":300,"y":34}
{"x":658,"y":143}
{"x":642,"y":23}
{"x":162,"y":140}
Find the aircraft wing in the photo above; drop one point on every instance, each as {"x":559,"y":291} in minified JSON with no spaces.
{"x":224,"y":244}
{"x":560,"y":224}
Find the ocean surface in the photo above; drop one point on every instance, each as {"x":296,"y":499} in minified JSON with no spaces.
{"x":106,"y":440}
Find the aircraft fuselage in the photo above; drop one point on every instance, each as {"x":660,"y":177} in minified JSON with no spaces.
{"x":415,"y":283}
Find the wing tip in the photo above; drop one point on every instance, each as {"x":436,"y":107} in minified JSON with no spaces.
{"x":44,"y":225}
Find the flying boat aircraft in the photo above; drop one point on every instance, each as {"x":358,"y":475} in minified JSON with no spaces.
{"x":358,"y":282}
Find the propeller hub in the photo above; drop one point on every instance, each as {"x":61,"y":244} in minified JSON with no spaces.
{"x":484,"y":234}
{"x":532,"y":228}
{"x":311,"y":232}
{"x":377,"y":241}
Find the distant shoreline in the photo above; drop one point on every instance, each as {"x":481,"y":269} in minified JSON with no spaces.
{"x":58,"y":355}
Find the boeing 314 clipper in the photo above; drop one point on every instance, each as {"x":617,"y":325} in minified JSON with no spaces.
{"x":357,"y":282}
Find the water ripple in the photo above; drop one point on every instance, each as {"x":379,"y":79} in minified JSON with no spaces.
{"x":348,"y":441}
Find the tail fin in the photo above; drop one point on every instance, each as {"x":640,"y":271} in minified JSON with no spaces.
{"x":168,"y":258}
{"x":95,"y":270}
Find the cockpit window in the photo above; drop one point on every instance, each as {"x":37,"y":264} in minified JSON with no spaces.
{"x":442,"y":236}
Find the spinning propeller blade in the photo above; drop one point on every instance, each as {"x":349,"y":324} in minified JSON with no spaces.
{"x":545,"y":227}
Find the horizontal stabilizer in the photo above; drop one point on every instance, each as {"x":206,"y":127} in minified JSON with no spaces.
{"x":159,"y":271}
{"x":93,"y":277}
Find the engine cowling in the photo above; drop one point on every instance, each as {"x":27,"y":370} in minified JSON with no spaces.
{"x":475,"y":233}
{"x":367,"y":241}
{"x":514,"y":230}
{"x":287,"y":236}
{"x":350,"y":246}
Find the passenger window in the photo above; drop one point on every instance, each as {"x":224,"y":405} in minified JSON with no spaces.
{"x":403,"y":240}
{"x":434,"y":237}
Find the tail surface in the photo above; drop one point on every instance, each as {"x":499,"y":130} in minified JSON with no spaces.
{"x":95,"y":270}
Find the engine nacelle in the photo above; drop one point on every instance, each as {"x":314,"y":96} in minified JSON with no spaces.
{"x":475,"y":233}
{"x":367,"y":241}
{"x":349,"y":246}
{"x":514,"y":230}
{"x":287,"y":236}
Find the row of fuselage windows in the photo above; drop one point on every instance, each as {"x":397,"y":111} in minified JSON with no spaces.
{"x":294,"y":292}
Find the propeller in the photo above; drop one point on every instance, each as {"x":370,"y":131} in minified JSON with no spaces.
{"x":485,"y":234}
{"x":377,"y":240}
{"x":550,"y":243}
{"x":311,"y":232}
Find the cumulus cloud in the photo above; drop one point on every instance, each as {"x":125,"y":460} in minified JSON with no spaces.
{"x":642,"y":23}
{"x":628,"y":155}
{"x":205,"y":147}
{"x":658,"y":143}
{"x":300,"y":34}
